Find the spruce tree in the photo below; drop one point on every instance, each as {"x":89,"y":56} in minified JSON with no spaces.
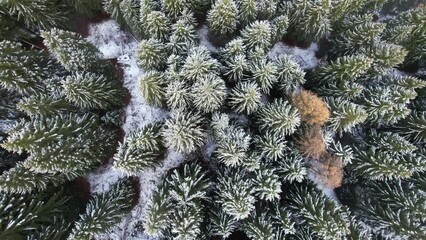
{"x":112,"y":7}
{"x":56,"y":144}
{"x":103,"y":211}
{"x":264,"y":73}
{"x":151,"y":85}
{"x":327,"y":219}
{"x":245,"y":97}
{"x":270,"y":146}
{"x":384,"y":165}
{"x":233,"y":48}
{"x":290,"y":75}
{"x":222,"y":19}
{"x":208,"y":93}
{"x":247,"y":11}
{"x":88,"y":8}
{"x":236,"y":68}
{"x":346,"y":68}
{"x":177,"y":95}
{"x":74,"y":52}
{"x":232,"y":142}
{"x":21,"y":70}
{"x":292,"y":167}
{"x":278,"y":117}
{"x":188,"y":187}
{"x":184,"y":131}
{"x":139,"y":150}
{"x":91,"y":91}
{"x":151,"y":54}
{"x":258,"y":34}
{"x":345,"y":115}
{"x":157,"y":25}
{"x":158,"y":211}
{"x":235,"y":194}
{"x":385,"y":55}
{"x":22,"y":216}
{"x":309,"y":20}
{"x":199,"y":63}
{"x":258,"y":226}
{"x":414,"y":126}
{"x":267,"y":185}
{"x":222,"y":224}
{"x":44,"y":105}
{"x":186,"y":223}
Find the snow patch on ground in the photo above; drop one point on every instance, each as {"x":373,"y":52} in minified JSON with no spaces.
{"x":203,"y":34}
{"x":115,"y":43}
{"x":305,"y":57}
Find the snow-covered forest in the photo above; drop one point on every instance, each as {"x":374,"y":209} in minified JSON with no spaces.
{"x":212,"y":119}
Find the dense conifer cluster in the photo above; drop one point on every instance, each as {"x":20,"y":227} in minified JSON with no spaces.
{"x":336,"y":151}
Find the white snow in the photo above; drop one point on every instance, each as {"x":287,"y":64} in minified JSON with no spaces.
{"x":203,"y":34}
{"x":305,"y":57}
{"x":115,"y":43}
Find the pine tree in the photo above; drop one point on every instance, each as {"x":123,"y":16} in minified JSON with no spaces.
{"x":91,"y":91}
{"x":151,"y":54}
{"x":258,"y":34}
{"x":267,"y":185}
{"x":158,"y":211}
{"x":44,"y":105}
{"x":345,"y":115}
{"x":151,"y":85}
{"x":291,"y":167}
{"x":235,"y":194}
{"x":271,"y":147}
{"x":383,"y":165}
{"x":245,"y":97}
{"x":74,"y":52}
{"x":20,"y":69}
{"x":139,"y":150}
{"x":290,"y":75}
{"x":264,"y":73}
{"x":22,"y":216}
{"x":222,"y":224}
{"x":199,"y":63}
{"x":236,"y":68}
{"x":104,"y":210}
{"x":177,"y":95}
{"x":157,"y":25}
{"x":247,"y":11}
{"x":278,"y":117}
{"x":222,"y":19}
{"x":208,"y":93}
{"x":184,"y":131}
{"x":187,"y":188}
{"x":327,"y":219}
